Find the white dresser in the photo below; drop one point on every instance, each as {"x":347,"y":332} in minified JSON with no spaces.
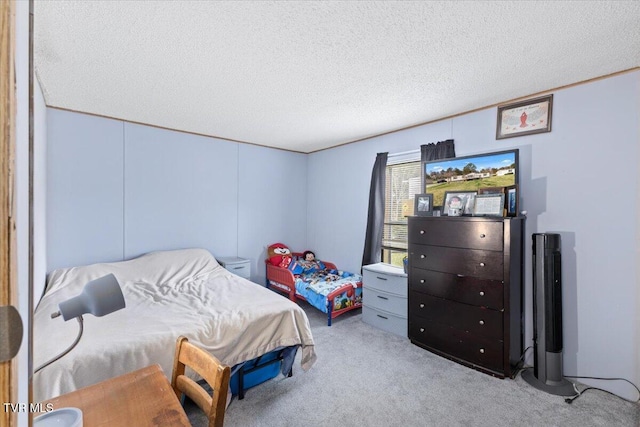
{"x":384,"y":297}
{"x":238,"y":266}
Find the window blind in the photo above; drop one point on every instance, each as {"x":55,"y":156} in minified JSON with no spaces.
{"x":402,"y":184}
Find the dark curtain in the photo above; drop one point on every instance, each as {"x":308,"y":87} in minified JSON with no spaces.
{"x":437,"y":151}
{"x":375,"y":220}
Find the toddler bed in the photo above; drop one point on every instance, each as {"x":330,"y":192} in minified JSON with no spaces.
{"x":320,"y":283}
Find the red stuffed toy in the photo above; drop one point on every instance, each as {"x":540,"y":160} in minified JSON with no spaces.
{"x":279,"y":254}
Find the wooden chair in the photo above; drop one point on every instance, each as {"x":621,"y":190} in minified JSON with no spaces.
{"x":211,"y":370}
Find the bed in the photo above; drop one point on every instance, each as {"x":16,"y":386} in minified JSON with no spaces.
{"x":327,"y":288}
{"x":167,"y":294}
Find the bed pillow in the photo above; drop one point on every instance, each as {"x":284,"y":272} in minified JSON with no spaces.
{"x":158,"y":268}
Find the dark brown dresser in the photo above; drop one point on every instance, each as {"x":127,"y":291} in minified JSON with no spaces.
{"x":465,"y":290}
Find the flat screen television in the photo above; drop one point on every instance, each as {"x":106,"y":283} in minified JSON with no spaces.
{"x":470,"y":173}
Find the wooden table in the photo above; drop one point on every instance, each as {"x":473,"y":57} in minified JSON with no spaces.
{"x":140,"y":398}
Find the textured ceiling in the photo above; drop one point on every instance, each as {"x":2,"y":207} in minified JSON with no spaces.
{"x":310,"y":75}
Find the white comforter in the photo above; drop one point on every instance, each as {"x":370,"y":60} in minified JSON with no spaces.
{"x":167,"y":294}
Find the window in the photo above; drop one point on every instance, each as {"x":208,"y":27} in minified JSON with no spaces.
{"x":402,"y":184}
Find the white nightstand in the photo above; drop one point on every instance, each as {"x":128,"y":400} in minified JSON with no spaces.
{"x":384,"y":297}
{"x":238,"y":266}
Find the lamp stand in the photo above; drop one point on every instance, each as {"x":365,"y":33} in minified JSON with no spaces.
{"x":81,"y":326}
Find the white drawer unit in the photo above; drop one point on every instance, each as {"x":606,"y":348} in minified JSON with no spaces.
{"x":384,"y":320}
{"x":238,"y":266}
{"x":384,"y":297}
{"x":385,"y":278}
{"x":387,"y":302}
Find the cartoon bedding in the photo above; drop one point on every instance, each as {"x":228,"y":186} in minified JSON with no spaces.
{"x":322,"y":284}
{"x":315,"y":282}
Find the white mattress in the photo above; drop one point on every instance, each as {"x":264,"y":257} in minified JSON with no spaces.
{"x":167,"y":294}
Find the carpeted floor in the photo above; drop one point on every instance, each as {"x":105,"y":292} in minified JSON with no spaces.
{"x":368,"y":377}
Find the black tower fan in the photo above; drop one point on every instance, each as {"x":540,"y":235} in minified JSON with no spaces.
{"x":546,"y":374}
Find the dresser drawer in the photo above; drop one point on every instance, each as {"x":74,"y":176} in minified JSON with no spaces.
{"x":466,"y":262}
{"x":383,"y":301}
{"x":467,"y":289}
{"x":479,"y":321}
{"x":390,"y":280}
{"x":385,"y":320}
{"x":464,"y":233}
{"x":463,"y":346}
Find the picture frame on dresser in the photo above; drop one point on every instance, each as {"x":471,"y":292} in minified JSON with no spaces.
{"x":466,"y":198}
{"x":490,"y":204}
{"x":423,"y":205}
{"x":511,"y":200}
{"x":491,"y":190}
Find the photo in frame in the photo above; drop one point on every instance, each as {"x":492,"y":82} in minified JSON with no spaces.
{"x":423,"y":205}
{"x":511,"y":200}
{"x":491,"y":190}
{"x":489,"y":204}
{"x":462,"y":200}
{"x":525,"y":117}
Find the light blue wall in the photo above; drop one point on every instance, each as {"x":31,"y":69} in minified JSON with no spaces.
{"x":580,"y":180}
{"x":180,"y":190}
{"x":272,"y":203}
{"x":39,"y":194}
{"x":84,"y":189}
{"x":117,"y":190}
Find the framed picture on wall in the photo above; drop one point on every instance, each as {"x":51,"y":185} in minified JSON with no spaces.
{"x":525,"y":117}
{"x":423,"y":205}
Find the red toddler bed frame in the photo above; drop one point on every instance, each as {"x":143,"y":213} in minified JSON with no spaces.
{"x":282,"y":280}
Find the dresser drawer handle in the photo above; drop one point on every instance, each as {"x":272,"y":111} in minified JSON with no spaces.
{"x":381,"y":278}
{"x":422,"y":256}
{"x":382,"y":317}
{"x":421,"y":280}
{"x":421,"y":329}
{"x":482,"y":350}
{"x":482,"y":264}
{"x":238,"y":268}
{"x":421,"y":231}
{"x":482,"y":236}
{"x":421,"y":305}
{"x":381,"y":297}
{"x":481,"y":322}
{"x":481,"y":293}
{"x":460,"y":275}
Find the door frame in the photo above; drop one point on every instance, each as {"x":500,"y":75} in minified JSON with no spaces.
{"x":8,"y":266}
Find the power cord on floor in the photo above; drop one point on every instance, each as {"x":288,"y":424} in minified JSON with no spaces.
{"x":570,"y":400}
{"x":579,"y":393}
{"x":521,"y":368}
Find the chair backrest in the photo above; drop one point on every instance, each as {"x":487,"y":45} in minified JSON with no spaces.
{"x":211,"y":370}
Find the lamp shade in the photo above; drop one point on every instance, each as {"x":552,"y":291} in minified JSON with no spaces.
{"x":99,"y":297}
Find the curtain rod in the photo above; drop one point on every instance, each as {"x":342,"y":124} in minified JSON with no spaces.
{"x":404,"y":153}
